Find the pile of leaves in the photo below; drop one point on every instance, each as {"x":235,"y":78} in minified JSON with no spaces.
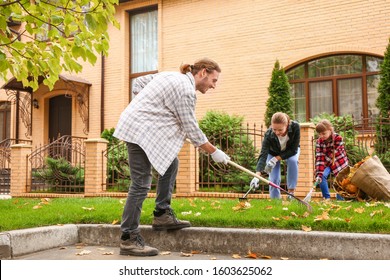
{"x":343,"y":184}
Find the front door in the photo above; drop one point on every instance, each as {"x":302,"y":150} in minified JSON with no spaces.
{"x":60,"y":117}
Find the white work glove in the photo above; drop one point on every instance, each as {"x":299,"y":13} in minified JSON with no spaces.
{"x":220,"y":157}
{"x":254,"y":183}
{"x":318,"y":180}
{"x":270,"y":165}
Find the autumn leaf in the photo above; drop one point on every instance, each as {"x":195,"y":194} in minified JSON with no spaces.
{"x":251,"y":255}
{"x":84,"y":252}
{"x":283,"y":258}
{"x":268,"y":207}
{"x":372,"y":214}
{"x":294,"y":214}
{"x":195,"y":252}
{"x":348,"y":208}
{"x":107,"y":253}
{"x":186,"y":213}
{"x":305,"y":228}
{"x":88,"y":208}
{"x":359,"y":210}
{"x":165,"y":253}
{"x":114,"y":222}
{"x":243,"y":205}
{"x":306,"y":214}
{"x":37,"y":207}
{"x":276,"y":219}
{"x":185,"y":254}
{"x":236,"y":256}
{"x":348,"y":220}
{"x":323,"y":216}
{"x":265,"y":257}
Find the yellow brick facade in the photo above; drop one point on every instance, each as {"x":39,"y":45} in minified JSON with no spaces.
{"x":245,"y":37}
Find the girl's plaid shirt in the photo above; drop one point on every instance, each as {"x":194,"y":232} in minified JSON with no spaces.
{"x":330,"y":153}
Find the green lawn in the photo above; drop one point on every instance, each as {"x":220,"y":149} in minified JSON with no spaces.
{"x":341,"y":216}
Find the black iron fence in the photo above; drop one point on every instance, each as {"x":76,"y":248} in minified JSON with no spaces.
{"x":58,"y":167}
{"x":5,"y":161}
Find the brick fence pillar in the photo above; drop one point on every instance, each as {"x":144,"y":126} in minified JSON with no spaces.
{"x":186,"y":176}
{"x":306,"y":160}
{"x":95,"y":166}
{"x":19,"y":169}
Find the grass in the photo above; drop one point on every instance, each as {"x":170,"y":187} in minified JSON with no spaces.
{"x":338,"y":216}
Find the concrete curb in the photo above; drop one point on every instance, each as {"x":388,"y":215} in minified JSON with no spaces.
{"x":285,"y":243}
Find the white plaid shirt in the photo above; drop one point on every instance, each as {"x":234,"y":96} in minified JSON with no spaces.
{"x":161,"y":117}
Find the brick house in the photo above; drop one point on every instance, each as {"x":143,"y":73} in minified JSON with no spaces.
{"x":331,"y":52}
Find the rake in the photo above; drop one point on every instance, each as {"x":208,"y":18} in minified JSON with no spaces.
{"x":308,"y":206}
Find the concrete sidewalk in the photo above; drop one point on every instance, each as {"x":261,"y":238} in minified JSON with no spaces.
{"x":102,"y":242}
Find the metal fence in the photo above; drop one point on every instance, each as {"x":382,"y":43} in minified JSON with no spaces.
{"x":118,"y":170}
{"x":58,"y":167}
{"x":5,"y":161}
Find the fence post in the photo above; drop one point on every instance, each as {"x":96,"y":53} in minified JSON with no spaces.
{"x":186,"y":177}
{"x":306,"y":160}
{"x":95,"y":166}
{"x":19,"y":169}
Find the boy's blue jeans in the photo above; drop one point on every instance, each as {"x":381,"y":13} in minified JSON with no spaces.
{"x":324,"y":185}
{"x":292,"y":175}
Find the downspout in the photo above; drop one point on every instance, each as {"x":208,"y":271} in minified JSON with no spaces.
{"x":102,"y":93}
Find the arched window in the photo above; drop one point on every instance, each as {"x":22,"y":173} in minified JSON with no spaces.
{"x":5,"y":120}
{"x":340,"y":84}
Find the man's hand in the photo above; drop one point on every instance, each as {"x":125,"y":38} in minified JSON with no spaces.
{"x":220,"y":157}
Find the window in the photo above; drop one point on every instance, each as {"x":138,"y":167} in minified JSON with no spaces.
{"x":144,"y":44}
{"x":340,"y":84}
{"x":5,"y":120}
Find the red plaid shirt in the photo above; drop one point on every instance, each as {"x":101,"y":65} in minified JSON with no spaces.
{"x":330,"y":153}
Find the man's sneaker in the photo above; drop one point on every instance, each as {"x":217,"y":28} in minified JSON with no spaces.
{"x":135,"y":246}
{"x":168,"y":221}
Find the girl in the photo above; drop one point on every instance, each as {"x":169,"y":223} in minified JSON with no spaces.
{"x":330,"y":155}
{"x":281,"y":142}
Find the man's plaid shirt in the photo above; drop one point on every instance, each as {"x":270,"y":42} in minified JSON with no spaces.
{"x":330,"y":153}
{"x":161,"y":117}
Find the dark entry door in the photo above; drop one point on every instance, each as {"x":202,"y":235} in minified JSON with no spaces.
{"x":60,"y":117}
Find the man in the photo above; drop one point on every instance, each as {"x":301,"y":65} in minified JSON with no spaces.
{"x":154,"y":126}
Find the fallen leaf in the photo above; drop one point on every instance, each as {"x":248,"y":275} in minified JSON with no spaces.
{"x":243,"y":205}
{"x":359,"y":210}
{"x":348,"y":220}
{"x":285,"y":208}
{"x":88,"y":208}
{"x":186,"y":213}
{"x":62,"y":248}
{"x":213,"y":258}
{"x":294,"y":214}
{"x":84,"y":252}
{"x":236,"y":256}
{"x":323,"y":216}
{"x":114,"y":222}
{"x":37,"y":207}
{"x":348,"y":208}
{"x":305,"y":228}
{"x":372,"y":214}
{"x":195,"y":252}
{"x":165,"y":253}
{"x":283,"y":258}
{"x":268,"y":207}
{"x":251,"y":255}
{"x":107,"y":253}
{"x":185,"y":254}
{"x":306,"y":214}
{"x":276,"y":219}
{"x":197,"y":214}
{"x":286,"y":217}
{"x":265,"y":257}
